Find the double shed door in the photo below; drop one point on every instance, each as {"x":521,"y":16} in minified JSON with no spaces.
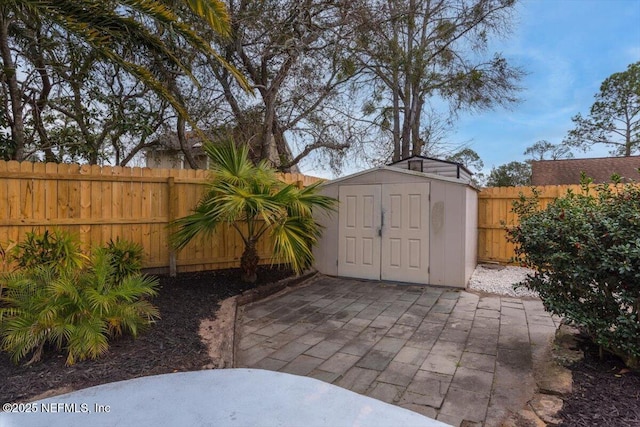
{"x":384,"y":232}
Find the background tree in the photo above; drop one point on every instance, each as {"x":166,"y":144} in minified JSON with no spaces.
{"x":544,"y":150}
{"x":416,"y":50}
{"x":293,"y":54}
{"x":512,"y":174}
{"x":122,"y":32}
{"x":472,"y":161}
{"x":614,"y":118}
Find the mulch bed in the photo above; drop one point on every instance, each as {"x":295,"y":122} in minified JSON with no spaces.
{"x":170,"y":345}
{"x":604,"y":392}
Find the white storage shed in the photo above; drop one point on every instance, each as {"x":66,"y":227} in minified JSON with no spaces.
{"x":400,"y":225}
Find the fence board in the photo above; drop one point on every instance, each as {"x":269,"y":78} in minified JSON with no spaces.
{"x":494,"y":207}
{"x":102,"y":203}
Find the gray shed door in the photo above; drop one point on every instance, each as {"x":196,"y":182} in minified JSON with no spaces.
{"x":384,"y":232}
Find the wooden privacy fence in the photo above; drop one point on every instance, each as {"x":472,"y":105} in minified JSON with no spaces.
{"x":101,"y":203}
{"x":494,"y":206}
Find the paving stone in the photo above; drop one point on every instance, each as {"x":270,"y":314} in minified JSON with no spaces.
{"x":336,"y":306}
{"x":427,"y":300}
{"x":487,"y":324}
{"x":458,"y":336}
{"x":324,"y":349}
{"x":358,"y":347}
{"x":272,"y":329}
{"x":290,"y":351}
{"x":492,"y":314}
{"x":329,"y":326}
{"x":517,"y":359}
{"x":373,"y":334}
{"x":253,"y":355}
{"x":443,"y":306}
{"x":339,"y":363}
{"x":473,"y":380}
{"x":410,"y":320}
{"x":411,"y":356}
{"x":356,"y":324}
{"x":515,"y":305}
{"x":270,"y":364}
{"x":341,"y":336}
{"x":465,"y":404}
{"x":462,"y":314}
{"x":427,"y":411}
{"x":489,"y":303}
{"x":328,"y":377}
{"x":398,"y":373}
{"x":385,"y":322}
{"x":323,"y":302}
{"x":482,"y":362}
{"x":302,"y":365}
{"x":279,"y":340}
{"x":390,"y":345}
{"x":418,"y":310}
{"x":316,"y":318}
{"x":370,"y":312}
{"x":344,"y":315}
{"x":358,"y":379}
{"x":312,"y":338}
{"x":482,"y":346}
{"x":436,"y":317}
{"x":452,"y":420}
{"x":375,"y":359}
{"x":450,"y":295}
{"x":386,"y":392}
{"x":428,"y":388}
{"x":298,"y":329}
{"x":443,"y":358}
{"x":250,"y":340}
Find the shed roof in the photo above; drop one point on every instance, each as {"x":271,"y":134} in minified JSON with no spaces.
{"x":435,"y":160}
{"x":568,"y":171}
{"x":391,"y":169}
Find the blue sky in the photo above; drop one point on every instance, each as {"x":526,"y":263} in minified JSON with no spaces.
{"x":567,"y":47}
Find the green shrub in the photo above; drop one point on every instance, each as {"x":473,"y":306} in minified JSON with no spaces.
{"x":56,"y":248}
{"x":126,"y":257}
{"x":73,"y":309}
{"x":585,"y":249}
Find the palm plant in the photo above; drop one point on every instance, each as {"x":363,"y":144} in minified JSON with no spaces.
{"x":72,"y":309}
{"x":124,"y":32}
{"x":251,"y":199}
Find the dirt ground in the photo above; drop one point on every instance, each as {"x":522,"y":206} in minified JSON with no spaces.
{"x":605,"y":393}
{"x":172,"y":344}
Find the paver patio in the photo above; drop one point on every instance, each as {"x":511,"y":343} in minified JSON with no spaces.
{"x":459,"y":357}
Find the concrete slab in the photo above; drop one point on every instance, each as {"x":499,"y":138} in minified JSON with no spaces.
{"x":221,"y":398}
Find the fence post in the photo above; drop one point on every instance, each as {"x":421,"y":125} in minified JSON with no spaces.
{"x":171,"y":193}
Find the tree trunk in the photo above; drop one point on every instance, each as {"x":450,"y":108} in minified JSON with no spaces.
{"x":249,"y":262}
{"x":15,"y":96}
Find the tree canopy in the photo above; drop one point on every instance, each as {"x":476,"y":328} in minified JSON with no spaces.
{"x":102,"y":81}
{"x":512,"y":174}
{"x":614,"y":117}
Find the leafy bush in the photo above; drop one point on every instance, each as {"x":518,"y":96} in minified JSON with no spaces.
{"x":585,"y":249}
{"x":73,"y":309}
{"x":126,"y":257}
{"x":55,"y":248}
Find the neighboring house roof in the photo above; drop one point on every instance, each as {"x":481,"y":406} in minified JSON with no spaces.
{"x":568,"y":171}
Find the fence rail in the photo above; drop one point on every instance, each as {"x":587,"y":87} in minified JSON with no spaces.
{"x":98,"y":203}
